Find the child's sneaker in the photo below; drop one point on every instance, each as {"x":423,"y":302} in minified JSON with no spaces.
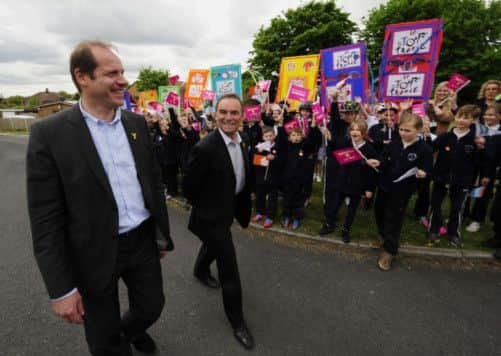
{"x":473,"y":227}
{"x":296,"y":223}
{"x":286,"y":222}
{"x":345,"y":236}
{"x":455,"y":241}
{"x":268,"y":222}
{"x":257,"y":218}
{"x":423,"y":220}
{"x":442,"y":231}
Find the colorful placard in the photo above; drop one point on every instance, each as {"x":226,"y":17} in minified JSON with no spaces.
{"x":457,"y":82}
{"x":145,"y":97}
{"x":195,"y":85}
{"x":226,"y":79}
{"x":410,"y":57}
{"x":167,"y":95}
{"x":208,"y":95}
{"x":301,"y":71}
{"x":345,"y":70}
{"x":252,"y":113}
{"x":347,"y":155}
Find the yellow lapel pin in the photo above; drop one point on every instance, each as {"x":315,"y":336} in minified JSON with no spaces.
{"x":133,"y":134}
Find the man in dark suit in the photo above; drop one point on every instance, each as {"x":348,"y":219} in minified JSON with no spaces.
{"x":97,"y":208}
{"x":217,"y":184}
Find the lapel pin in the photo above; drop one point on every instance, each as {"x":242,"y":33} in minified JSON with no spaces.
{"x":133,"y":134}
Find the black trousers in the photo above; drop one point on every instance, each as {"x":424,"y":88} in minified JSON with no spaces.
{"x":169,"y":174}
{"x":389,"y":210}
{"x":309,"y":172}
{"x":138,"y":265}
{"x":481,"y":205}
{"x":457,"y":197}
{"x":496,"y":213}
{"x":264,"y":191}
{"x":218,"y":246}
{"x":333,"y":202}
{"x":422,"y":204}
{"x":293,"y":200}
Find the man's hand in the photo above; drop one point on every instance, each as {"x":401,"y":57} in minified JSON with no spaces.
{"x":70,"y":308}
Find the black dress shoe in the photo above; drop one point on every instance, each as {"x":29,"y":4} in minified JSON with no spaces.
{"x":243,"y":335}
{"x":208,"y":281}
{"x":144,"y":343}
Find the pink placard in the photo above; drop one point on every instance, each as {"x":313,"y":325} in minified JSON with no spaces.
{"x":293,"y":124}
{"x":208,"y":94}
{"x":419,"y":110}
{"x":252,"y":113}
{"x":264,"y":85}
{"x":298,"y":93}
{"x":457,"y":82}
{"x":174,"y":79}
{"x":172,"y":99}
{"x":196,"y":126}
{"x":157,"y":107}
{"x":346,"y":155}
{"x":186,"y":103}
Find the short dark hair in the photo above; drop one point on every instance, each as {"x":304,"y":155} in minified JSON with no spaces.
{"x":268,"y":129}
{"x":469,"y":110}
{"x":83,"y":58}
{"x":230,"y":96}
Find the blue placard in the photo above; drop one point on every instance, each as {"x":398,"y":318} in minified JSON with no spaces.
{"x":226,"y":79}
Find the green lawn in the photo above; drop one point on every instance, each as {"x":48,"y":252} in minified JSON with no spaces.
{"x":14,"y":132}
{"x":364,"y":227}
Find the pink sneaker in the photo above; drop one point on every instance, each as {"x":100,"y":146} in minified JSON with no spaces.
{"x":423,"y":220}
{"x":257,"y":218}
{"x":442,"y":231}
{"x":268,"y":223}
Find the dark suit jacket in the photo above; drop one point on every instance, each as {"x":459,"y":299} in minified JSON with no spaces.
{"x":73,"y":214}
{"x":209,"y":185}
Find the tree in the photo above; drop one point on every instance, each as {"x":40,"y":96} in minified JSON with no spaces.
{"x":32,"y":102}
{"x":307,"y":29}
{"x":65,"y":95}
{"x":150,"y":78}
{"x":471,"y":36}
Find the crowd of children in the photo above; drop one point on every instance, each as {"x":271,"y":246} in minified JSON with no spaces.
{"x":384,"y":151}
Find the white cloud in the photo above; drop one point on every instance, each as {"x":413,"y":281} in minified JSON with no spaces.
{"x":37,"y":36}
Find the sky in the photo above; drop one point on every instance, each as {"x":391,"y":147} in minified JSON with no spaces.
{"x":36,"y":37}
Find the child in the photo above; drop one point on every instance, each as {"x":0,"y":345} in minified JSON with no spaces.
{"x":267,"y":173}
{"x":351,"y":180}
{"x":403,"y":162}
{"x":387,"y":130}
{"x":492,"y":115}
{"x":296,"y":151}
{"x":457,"y":161}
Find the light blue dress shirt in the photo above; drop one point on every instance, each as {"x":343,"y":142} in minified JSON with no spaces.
{"x":115,"y":153}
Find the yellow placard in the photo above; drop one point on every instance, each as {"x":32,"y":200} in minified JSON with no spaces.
{"x":145,"y":97}
{"x":299,"y":70}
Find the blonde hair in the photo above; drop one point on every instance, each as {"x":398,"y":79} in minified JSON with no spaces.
{"x":412,"y":119}
{"x":481,"y":92}
{"x":439,"y":85}
{"x":360,"y":124}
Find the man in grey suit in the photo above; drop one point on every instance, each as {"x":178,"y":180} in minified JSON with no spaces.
{"x":217,"y":184}
{"x":97,"y":208}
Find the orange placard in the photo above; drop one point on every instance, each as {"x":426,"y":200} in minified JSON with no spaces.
{"x":260,"y":160}
{"x":195,"y":85}
{"x":145,"y":97}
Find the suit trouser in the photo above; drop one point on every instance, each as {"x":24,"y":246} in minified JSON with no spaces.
{"x":496,"y":213}
{"x":220,"y":249}
{"x":457,"y":197}
{"x":139,"y":267}
{"x":389,"y":209}
{"x":170,"y":178}
{"x":309,"y":173}
{"x":262,"y":191}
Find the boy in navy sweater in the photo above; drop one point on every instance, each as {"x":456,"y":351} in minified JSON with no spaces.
{"x":458,"y":159}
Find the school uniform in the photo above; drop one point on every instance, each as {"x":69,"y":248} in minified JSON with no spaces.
{"x":422,"y":204}
{"x":351,"y":181}
{"x":254,"y":132}
{"x":380,"y":133}
{"x":393,"y":197}
{"x":494,"y":159}
{"x":455,"y":168}
{"x":294,"y":175}
{"x":311,"y":159}
{"x":267,"y":180}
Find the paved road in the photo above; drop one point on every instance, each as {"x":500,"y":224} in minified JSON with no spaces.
{"x":299,"y":300}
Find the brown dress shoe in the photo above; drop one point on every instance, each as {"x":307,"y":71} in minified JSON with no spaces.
{"x":384,"y":261}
